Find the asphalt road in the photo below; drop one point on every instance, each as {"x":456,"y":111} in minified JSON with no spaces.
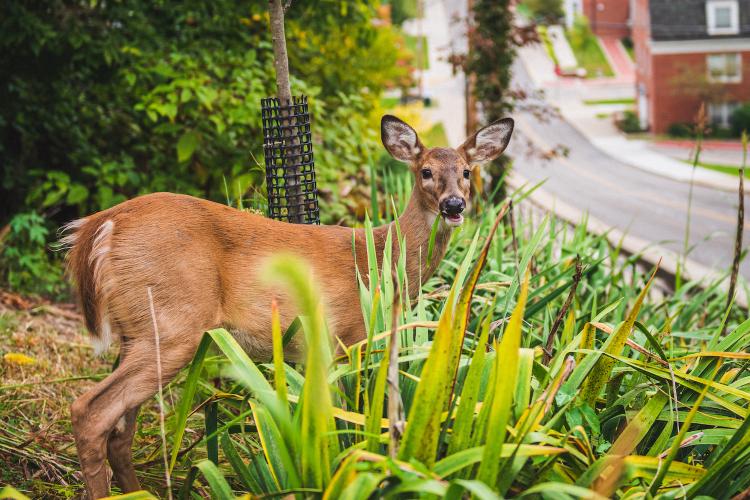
{"x":642,"y":204}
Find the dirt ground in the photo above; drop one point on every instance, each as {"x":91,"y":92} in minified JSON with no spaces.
{"x":45,"y":363}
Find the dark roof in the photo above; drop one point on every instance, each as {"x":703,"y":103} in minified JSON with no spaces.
{"x":686,"y":20}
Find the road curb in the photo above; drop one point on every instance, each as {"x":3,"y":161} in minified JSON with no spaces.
{"x":648,"y":252}
{"x":706,"y":178}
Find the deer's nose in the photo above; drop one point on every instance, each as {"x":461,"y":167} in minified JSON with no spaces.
{"x":452,"y":205}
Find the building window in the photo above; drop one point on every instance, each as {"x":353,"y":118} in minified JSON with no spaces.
{"x":724,"y":68}
{"x":719,"y":113}
{"x":722,"y":17}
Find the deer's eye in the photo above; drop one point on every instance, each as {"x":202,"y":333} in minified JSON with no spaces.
{"x":426,"y":173}
{"x":467,"y":174}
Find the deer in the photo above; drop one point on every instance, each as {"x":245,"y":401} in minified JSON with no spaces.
{"x":197,"y":265}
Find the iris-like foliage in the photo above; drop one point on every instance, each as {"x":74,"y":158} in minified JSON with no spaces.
{"x":643,"y":394}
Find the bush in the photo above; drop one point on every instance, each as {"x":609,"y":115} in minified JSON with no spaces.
{"x":24,"y":260}
{"x":103,"y":101}
{"x":547,"y":11}
{"x":680,"y":130}
{"x":689,"y":131}
{"x":629,"y":123}
{"x":740,"y":119}
{"x":401,"y":10}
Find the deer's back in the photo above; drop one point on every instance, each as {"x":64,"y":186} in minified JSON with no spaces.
{"x":204,"y":263}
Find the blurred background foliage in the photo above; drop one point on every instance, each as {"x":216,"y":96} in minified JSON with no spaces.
{"x":103,"y":101}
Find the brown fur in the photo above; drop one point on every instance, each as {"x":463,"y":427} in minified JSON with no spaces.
{"x":203,"y":262}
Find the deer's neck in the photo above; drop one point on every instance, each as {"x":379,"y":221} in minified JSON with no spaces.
{"x":416,"y":226}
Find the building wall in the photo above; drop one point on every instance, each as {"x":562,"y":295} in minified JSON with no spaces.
{"x":677,"y":82}
{"x":608,"y":17}
{"x":641,"y":33}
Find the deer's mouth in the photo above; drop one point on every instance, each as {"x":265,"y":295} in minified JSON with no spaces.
{"x":453,"y":219}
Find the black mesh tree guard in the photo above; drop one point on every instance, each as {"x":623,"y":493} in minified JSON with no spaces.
{"x":290,"y":168}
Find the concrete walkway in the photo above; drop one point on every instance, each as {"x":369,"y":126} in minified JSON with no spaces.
{"x":725,"y":154}
{"x":618,"y":57}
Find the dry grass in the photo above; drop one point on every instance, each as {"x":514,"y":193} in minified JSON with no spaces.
{"x":36,"y":442}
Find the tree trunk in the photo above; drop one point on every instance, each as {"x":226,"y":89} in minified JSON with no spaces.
{"x":284,"y":93}
{"x":280,"y":59}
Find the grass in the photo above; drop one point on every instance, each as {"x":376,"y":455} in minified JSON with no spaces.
{"x":633,"y":371}
{"x":544,"y":36}
{"x":389,"y":102}
{"x":412,"y":43}
{"x":597,"y":102}
{"x":587,"y":50}
{"x":36,"y":392}
{"x":436,"y":136}
{"x":591,"y":57}
{"x":724,"y":169}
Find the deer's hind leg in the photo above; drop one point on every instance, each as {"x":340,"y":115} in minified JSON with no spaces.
{"x":96,"y":414}
{"x":119,"y":454}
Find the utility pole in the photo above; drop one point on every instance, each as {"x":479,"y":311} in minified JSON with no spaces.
{"x":469,"y":77}
{"x":420,"y":48}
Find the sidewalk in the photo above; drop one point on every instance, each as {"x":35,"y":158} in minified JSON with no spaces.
{"x":637,"y":152}
{"x":618,"y":58}
{"x":723,"y":153}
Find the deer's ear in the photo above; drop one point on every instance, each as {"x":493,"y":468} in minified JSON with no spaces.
{"x":400,"y":139}
{"x":488,"y":143}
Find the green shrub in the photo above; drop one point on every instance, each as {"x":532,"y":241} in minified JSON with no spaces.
{"x":104,"y":101}
{"x":483,"y":411}
{"x":740,"y":119}
{"x":681,"y":130}
{"x":24,"y":260}
{"x":547,"y":11}
{"x":401,"y":10}
{"x":629,"y":123}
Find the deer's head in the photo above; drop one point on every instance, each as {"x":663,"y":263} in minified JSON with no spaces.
{"x":443,"y":175}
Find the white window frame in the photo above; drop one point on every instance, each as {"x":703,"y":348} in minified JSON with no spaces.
{"x":734,"y":17}
{"x":725,"y":78}
{"x":725,"y":109}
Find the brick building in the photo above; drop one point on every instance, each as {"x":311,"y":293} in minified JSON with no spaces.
{"x":690,"y":52}
{"x":606,"y":17}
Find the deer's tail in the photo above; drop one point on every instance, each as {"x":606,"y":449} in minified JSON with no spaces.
{"x":89,"y":243}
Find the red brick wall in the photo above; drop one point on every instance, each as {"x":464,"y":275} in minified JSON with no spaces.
{"x":641,"y":29}
{"x":672,"y":96}
{"x":608,"y":17}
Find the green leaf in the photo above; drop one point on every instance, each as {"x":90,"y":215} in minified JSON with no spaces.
{"x":639,"y":426}
{"x":315,"y":408}
{"x":12,"y":493}
{"x":186,"y":401}
{"x":77,"y":194}
{"x":186,"y":145}
{"x":465,"y":414}
{"x":240,"y":468}
{"x":506,"y":372}
{"x":465,"y":458}
{"x":599,"y":375}
{"x":220,"y":489}
{"x":435,"y":387}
